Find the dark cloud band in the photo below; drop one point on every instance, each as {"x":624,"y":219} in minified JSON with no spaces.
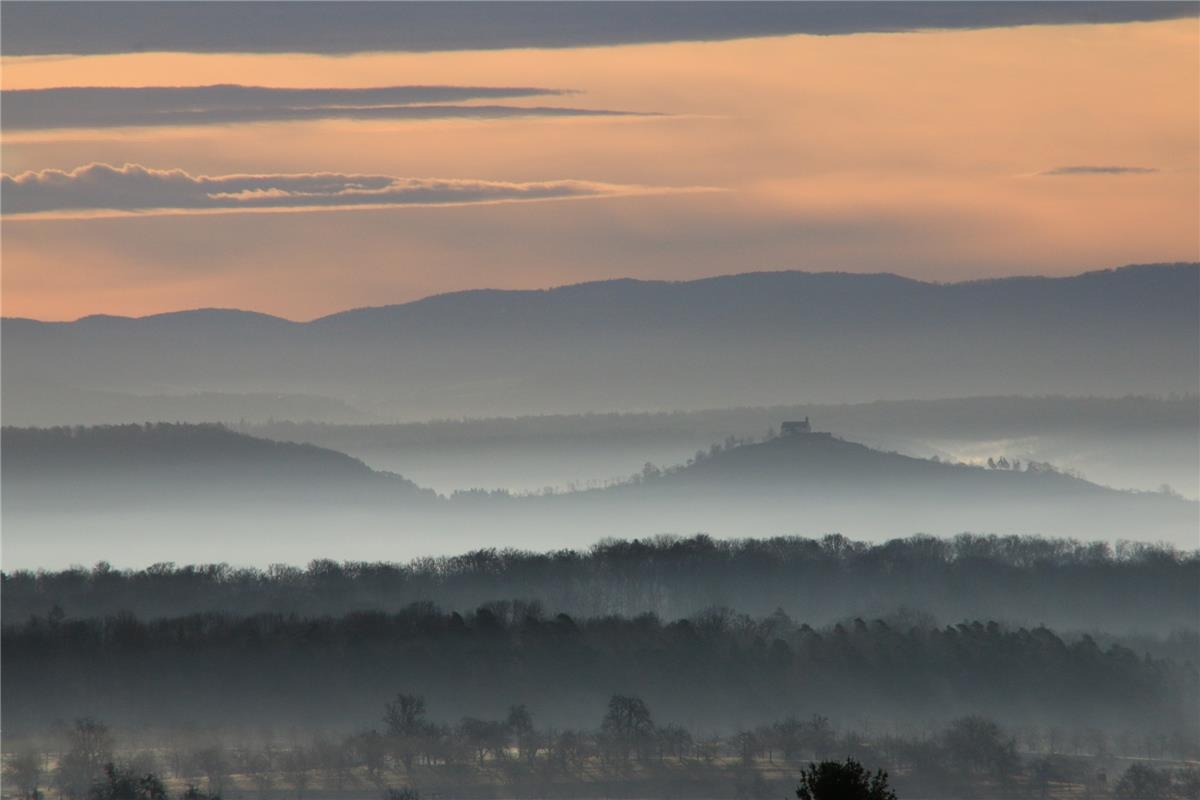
{"x":105,"y":107}
{"x":38,"y":28}
{"x":135,"y":188}
{"x":1097,"y":170}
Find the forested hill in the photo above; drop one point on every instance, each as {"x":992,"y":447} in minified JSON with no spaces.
{"x":814,"y":483}
{"x":114,"y":464}
{"x":817,"y":482}
{"x":822,"y":461}
{"x":751,"y":339}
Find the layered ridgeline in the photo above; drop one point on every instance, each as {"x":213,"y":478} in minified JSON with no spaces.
{"x":752,"y":339}
{"x":79,"y":493}
{"x":1133,"y":442}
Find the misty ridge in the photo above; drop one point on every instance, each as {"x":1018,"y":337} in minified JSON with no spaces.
{"x":752,"y":339}
{"x":81,"y":485}
{"x":168,"y":463}
{"x":972,"y":418}
{"x":1134,"y":442}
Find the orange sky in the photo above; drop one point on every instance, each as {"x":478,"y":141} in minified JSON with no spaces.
{"x":919,"y":153}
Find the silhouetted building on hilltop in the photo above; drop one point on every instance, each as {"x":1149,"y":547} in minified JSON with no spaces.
{"x":802,"y":429}
{"x":795,"y":428}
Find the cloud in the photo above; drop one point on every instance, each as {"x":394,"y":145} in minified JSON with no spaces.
{"x":1097,"y":170}
{"x":135,"y":188}
{"x":105,"y":107}
{"x":353,"y":27}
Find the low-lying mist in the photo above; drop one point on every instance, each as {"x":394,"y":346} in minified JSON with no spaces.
{"x":1129,"y":443}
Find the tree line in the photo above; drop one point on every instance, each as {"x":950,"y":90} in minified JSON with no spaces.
{"x":626,"y":751}
{"x":714,"y":669}
{"x":1062,"y":583}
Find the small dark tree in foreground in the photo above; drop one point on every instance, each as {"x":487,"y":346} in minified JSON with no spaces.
{"x":192,"y":793}
{"x":836,"y":780}
{"x":23,"y":772}
{"x":406,"y":724}
{"x":627,"y":728}
{"x":89,"y":748}
{"x":1141,"y":782}
{"x":125,"y":784}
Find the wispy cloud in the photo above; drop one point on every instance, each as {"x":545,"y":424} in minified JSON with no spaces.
{"x":107,"y":107}
{"x":1103,"y":169}
{"x":134,"y":188}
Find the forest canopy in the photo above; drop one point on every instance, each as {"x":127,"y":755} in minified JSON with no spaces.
{"x":712,"y":670}
{"x":1062,"y":583}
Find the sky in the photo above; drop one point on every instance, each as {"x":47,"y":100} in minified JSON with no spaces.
{"x":304,"y":183}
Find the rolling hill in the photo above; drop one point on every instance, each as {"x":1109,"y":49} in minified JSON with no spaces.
{"x":818,"y":483}
{"x":189,"y":492}
{"x":169,"y":466}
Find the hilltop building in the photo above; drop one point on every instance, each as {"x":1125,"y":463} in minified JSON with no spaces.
{"x":795,"y":428}
{"x":801,"y":428}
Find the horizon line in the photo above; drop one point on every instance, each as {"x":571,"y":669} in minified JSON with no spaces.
{"x":624,"y":279}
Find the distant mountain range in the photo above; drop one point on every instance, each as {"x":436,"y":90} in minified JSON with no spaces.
{"x":753,"y":339}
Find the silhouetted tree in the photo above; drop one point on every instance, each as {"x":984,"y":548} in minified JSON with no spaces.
{"x":1188,"y":782}
{"x":125,"y":784}
{"x":192,"y":793}
{"x":520,"y":726}
{"x":296,"y":769}
{"x":848,"y":780}
{"x":976,"y":745}
{"x":212,"y":763}
{"x":819,"y":733}
{"x":405,"y":715}
{"x":627,"y":728}
{"x":406,"y":725}
{"x":23,"y":772}
{"x":89,"y":749}
{"x":1141,"y":782}
{"x":673,"y":741}
{"x":371,"y":751}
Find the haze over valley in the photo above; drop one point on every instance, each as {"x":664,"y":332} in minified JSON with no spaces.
{"x":560,"y":401}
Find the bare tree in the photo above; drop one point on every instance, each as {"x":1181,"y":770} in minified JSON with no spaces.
{"x":24,"y":772}
{"x":89,"y":749}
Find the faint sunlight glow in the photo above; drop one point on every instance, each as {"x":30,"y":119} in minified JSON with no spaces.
{"x":908,"y":152}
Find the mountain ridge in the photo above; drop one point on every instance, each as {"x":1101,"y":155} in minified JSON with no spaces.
{"x":767,"y":338}
{"x":492,"y":292}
